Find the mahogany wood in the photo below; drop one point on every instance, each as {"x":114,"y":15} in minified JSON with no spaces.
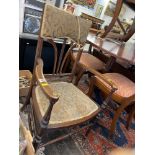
{"x":119,"y":50}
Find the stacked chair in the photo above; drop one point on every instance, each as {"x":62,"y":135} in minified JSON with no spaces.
{"x":115,"y":87}
{"x":90,"y":61}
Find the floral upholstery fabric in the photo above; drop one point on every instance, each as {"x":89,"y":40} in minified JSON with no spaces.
{"x":57,"y":23}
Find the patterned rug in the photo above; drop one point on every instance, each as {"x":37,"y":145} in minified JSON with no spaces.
{"x":97,"y":141}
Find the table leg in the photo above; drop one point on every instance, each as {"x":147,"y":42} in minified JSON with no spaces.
{"x":90,"y":48}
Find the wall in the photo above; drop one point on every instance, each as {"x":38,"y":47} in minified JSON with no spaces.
{"x":79,"y":9}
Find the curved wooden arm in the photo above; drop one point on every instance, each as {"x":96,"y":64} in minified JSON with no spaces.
{"x":109,"y":82}
{"x":43,"y":83}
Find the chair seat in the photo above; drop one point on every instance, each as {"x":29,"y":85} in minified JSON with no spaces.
{"x":90,"y":61}
{"x":126,"y":87}
{"x":73,"y":106}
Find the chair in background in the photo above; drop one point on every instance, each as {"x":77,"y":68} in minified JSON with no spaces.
{"x":58,"y":104}
{"x":126,"y":33}
{"x":123,"y":94}
{"x":91,"y":61}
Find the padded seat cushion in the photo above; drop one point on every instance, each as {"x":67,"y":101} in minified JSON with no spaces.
{"x":90,"y":61}
{"x":73,"y":106}
{"x":126,"y":87}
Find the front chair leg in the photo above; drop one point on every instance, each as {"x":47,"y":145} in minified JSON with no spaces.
{"x":116,"y":116}
{"x":36,"y":142}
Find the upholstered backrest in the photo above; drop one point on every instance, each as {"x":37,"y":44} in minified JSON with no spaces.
{"x":57,"y":23}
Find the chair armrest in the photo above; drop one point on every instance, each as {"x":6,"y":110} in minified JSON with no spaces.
{"x":53,"y":97}
{"x":109,"y":82}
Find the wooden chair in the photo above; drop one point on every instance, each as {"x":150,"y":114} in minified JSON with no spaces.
{"x":123,"y":94}
{"x":91,"y":61}
{"x":58,"y":104}
{"x":126,"y":33}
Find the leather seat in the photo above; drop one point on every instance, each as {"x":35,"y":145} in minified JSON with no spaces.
{"x":90,"y":61}
{"x":125,"y":87}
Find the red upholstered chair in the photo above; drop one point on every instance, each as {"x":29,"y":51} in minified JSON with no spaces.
{"x":123,"y":94}
{"x":91,"y":61}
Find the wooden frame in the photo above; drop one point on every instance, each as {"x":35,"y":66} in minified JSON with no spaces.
{"x":27,"y":136}
{"x":127,"y":35}
{"x":40,"y":125}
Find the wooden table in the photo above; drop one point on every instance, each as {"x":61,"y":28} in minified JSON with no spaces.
{"x":116,"y":50}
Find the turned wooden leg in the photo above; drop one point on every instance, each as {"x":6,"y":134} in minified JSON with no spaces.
{"x":131,"y":114}
{"x":43,"y":125}
{"x":36,"y":142}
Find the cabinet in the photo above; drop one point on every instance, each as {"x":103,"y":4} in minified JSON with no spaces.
{"x":27,"y":48}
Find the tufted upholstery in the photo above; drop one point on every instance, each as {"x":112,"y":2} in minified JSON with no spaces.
{"x":90,"y":61}
{"x":126,"y":87}
{"x":72,"y":107}
{"x":57,"y":23}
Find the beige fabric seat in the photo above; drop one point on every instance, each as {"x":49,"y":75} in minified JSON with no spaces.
{"x":90,"y":61}
{"x":73,"y":106}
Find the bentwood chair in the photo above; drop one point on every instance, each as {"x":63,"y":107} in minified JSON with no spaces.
{"x":91,"y":61}
{"x":58,"y":104}
{"x":123,"y":94}
{"x":125,"y":33}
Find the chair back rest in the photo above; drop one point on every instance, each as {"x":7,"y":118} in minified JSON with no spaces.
{"x":57,"y":23}
{"x":127,"y":34}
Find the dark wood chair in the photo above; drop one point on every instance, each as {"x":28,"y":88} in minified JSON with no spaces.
{"x":126,"y":32}
{"x":91,"y":61}
{"x":123,"y":93}
{"x":58,"y":104}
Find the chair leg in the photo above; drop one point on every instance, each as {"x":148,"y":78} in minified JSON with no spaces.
{"x":91,"y":87}
{"x":131,"y":114}
{"x":36,"y":142}
{"x":116,"y":116}
{"x":80,"y":74}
